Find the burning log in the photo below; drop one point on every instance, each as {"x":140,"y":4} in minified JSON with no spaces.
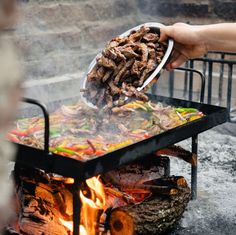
{"x":132,"y":175}
{"x":179,"y":152}
{"x":46,"y":203}
{"x":43,"y":202}
{"x":141,"y":193}
{"x":153,"y":216}
{"x":125,"y":185}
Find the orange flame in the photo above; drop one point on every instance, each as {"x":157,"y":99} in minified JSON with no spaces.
{"x":91,"y":209}
{"x":69,"y":225}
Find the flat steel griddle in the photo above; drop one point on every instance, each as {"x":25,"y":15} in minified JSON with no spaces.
{"x":81,"y":170}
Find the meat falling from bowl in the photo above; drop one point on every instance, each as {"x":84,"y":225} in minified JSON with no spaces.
{"x":123,"y":67}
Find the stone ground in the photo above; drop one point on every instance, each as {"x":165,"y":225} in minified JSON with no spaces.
{"x":214,"y":211}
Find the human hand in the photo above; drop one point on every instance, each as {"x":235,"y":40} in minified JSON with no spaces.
{"x":189,"y":43}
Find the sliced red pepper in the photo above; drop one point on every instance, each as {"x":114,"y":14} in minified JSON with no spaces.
{"x":13,"y":138}
{"x":146,"y":135}
{"x":99,"y":152}
{"x":33,"y":129}
{"x":89,"y":151}
{"x":27,"y":132}
{"x":19,"y":133}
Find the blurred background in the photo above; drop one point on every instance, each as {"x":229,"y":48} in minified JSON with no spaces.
{"x":58,"y":40}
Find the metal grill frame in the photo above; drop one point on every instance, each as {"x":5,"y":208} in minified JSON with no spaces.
{"x":67,"y":167}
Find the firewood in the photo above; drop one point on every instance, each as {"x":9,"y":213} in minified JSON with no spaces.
{"x":156,"y":189}
{"x":139,"y":172}
{"x":171,"y":181}
{"x":43,"y":202}
{"x":179,"y":152}
{"x":154,"y":216}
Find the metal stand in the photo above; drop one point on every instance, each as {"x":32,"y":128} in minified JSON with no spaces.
{"x":46,"y":120}
{"x":194,"y":168}
{"x":76,"y":207}
{"x":202,"y":94}
{"x":77,"y":182}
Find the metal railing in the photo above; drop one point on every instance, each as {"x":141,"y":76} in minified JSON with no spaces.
{"x":226,"y":63}
{"x":218,"y":69}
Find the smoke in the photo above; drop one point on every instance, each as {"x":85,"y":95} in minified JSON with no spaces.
{"x":58,"y":42}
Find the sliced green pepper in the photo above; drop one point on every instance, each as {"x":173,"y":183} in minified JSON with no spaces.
{"x":187,"y":110}
{"x":148,"y":107}
{"x":61,"y":149}
{"x":85,"y":127}
{"x":55,"y":132}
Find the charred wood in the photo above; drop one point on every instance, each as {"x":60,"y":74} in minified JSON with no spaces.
{"x":154,"y":216}
{"x":43,"y":202}
{"x":179,"y":152}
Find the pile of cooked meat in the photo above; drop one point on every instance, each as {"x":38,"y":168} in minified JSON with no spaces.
{"x":124,"y":65}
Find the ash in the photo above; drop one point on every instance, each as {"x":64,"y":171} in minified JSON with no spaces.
{"x":214,"y":211}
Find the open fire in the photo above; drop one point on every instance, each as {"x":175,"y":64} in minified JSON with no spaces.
{"x":92,"y":208}
{"x":108,"y":200}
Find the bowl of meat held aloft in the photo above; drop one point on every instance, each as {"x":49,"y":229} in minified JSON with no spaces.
{"x":127,"y":67}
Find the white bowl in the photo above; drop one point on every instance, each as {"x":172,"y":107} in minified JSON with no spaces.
{"x":155,"y":74}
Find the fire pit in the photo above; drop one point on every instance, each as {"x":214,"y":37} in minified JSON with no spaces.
{"x":139,"y":205}
{"x":82,"y":170}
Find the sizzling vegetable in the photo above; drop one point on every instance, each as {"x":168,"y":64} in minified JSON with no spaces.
{"x":82,"y":133}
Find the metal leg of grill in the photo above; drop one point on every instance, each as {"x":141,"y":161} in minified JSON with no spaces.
{"x":76,"y":207}
{"x":229,"y":92}
{"x":167,"y":172}
{"x":194,"y":168}
{"x":171,"y":83}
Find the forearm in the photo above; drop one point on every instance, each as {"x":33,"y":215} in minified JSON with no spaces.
{"x":219,"y":37}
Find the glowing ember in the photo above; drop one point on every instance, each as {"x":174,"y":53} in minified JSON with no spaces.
{"x":92,"y":208}
{"x":69,"y":181}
